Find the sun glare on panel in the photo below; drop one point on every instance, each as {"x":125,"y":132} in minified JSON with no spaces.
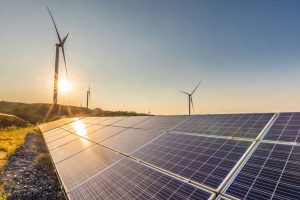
{"x":80,"y":128}
{"x":64,"y":85}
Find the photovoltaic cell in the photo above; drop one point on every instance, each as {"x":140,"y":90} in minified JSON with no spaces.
{"x":131,"y":121}
{"x":103,"y":134}
{"x":57,"y":136}
{"x":70,"y":149}
{"x":111,"y":120}
{"x":234,"y":125}
{"x":80,"y":167}
{"x":161,"y":123}
{"x":55,"y":124}
{"x":61,"y":141}
{"x":286,"y":128}
{"x":206,"y":160}
{"x":272,"y":172}
{"x":52,"y":133}
{"x":130,"y":140}
{"x":95,"y":120}
{"x":128,"y":179}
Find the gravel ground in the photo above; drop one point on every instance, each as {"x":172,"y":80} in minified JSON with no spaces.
{"x":29,"y":173}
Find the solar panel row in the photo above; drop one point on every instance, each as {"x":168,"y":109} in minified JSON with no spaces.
{"x":128,"y":179}
{"x":233,"y":125}
{"x":186,"y":147}
{"x":286,"y":128}
{"x":272,"y":172}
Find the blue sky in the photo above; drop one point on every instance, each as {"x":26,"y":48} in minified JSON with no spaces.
{"x":138,"y":54}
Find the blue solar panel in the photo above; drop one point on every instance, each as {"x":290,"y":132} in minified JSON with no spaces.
{"x":272,"y":172}
{"x":234,"y":125}
{"x":206,"y":160}
{"x":128,"y":179}
{"x":286,"y":128}
{"x":130,"y":140}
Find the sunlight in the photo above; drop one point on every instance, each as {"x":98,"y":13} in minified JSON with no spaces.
{"x":79,"y":128}
{"x":64,"y":85}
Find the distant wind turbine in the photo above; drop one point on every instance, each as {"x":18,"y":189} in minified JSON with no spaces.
{"x":88,"y":97}
{"x":59,"y":45}
{"x":190,"y":97}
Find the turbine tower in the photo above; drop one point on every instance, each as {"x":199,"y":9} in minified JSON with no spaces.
{"x":88,"y":97}
{"x":190,"y":97}
{"x":59,"y":45}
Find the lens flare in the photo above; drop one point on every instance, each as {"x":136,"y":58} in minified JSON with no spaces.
{"x":64,"y":85}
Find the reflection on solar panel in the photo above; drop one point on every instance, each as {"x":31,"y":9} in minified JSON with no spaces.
{"x":70,"y":149}
{"x":130,"y":180}
{"x":272,"y":172}
{"x":130,"y":140}
{"x":103,"y":134}
{"x":206,"y":160}
{"x":161,"y":123}
{"x":93,"y":120}
{"x":286,"y":128}
{"x":80,"y":167}
{"x":235,"y":125}
{"x":176,"y":157}
{"x":52,"y":125}
{"x":62,"y":141}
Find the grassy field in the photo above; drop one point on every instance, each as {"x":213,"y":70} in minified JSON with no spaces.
{"x":10,"y":140}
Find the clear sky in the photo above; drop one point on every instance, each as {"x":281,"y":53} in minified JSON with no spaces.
{"x":138,"y":54}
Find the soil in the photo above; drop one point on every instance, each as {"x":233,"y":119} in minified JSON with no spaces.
{"x":29,"y":173}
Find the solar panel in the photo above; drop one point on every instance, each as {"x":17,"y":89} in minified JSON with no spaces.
{"x":53,"y":132}
{"x":57,"y":136}
{"x":130,"y":140}
{"x":103,"y":134}
{"x":70,"y":149}
{"x":205,"y":160}
{"x":80,"y":167}
{"x":82,"y":129}
{"x":131,"y":121}
{"x":111,"y":120}
{"x":95,"y":120}
{"x":161,"y":123}
{"x":61,"y":141}
{"x":272,"y":172}
{"x":128,"y":179}
{"x":233,"y":125}
{"x":54,"y":124}
{"x":286,"y":128}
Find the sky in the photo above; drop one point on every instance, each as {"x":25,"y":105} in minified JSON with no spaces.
{"x":137,"y":55}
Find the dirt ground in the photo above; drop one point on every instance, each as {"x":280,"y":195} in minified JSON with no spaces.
{"x":29,"y":173}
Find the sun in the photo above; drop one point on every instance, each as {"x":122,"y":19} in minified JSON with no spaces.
{"x":64,"y":85}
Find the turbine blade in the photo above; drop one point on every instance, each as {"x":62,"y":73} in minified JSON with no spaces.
{"x":63,"y":41}
{"x":54,"y":26}
{"x":196,"y":87}
{"x":192,"y":103}
{"x":184,"y":92}
{"x":63,"y":51}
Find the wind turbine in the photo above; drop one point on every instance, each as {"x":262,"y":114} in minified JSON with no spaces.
{"x":88,"y":97}
{"x":190,"y":97}
{"x":59,"y":45}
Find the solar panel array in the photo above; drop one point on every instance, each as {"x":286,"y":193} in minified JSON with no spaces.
{"x":232,"y":156}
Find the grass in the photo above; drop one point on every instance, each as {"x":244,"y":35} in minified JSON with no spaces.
{"x":10,"y":140}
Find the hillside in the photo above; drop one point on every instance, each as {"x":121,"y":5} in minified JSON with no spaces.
{"x":41,"y":112}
